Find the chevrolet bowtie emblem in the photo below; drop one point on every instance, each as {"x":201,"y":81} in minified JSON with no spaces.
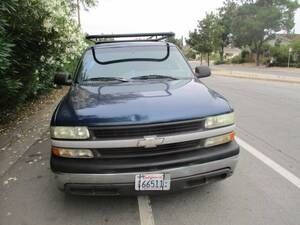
{"x":150,"y":142}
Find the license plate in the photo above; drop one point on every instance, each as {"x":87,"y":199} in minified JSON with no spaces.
{"x":152,"y":182}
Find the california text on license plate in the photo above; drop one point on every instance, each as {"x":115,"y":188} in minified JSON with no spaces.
{"x":152,"y":182}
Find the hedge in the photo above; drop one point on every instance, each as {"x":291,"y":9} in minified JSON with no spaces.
{"x":37,"y":38}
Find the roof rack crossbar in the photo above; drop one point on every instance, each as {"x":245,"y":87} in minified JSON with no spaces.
{"x":147,"y":36}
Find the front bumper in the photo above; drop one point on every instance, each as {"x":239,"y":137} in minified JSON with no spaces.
{"x":183,"y":177}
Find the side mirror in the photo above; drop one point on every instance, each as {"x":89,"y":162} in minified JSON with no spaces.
{"x":62,"y":78}
{"x":202,"y":71}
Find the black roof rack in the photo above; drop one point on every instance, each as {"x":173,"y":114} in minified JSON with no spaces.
{"x":98,"y":39}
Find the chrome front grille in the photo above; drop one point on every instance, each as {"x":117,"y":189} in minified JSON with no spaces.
{"x":119,"y":132}
{"x":140,"y":152}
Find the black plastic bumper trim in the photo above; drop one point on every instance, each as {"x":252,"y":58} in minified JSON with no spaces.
{"x":177,"y":184}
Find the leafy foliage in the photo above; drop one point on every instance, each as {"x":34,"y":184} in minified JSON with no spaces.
{"x":74,"y":5}
{"x":280,"y":54}
{"x":206,"y":38}
{"x":40,"y":40}
{"x":238,"y":59}
{"x":8,"y":86}
{"x":295,"y":45}
{"x":256,"y":22}
{"x":189,"y":53}
{"x":225,"y":19}
{"x":248,"y":24}
{"x":86,"y":3}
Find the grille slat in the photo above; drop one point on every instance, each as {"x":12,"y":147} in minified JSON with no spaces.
{"x":140,"y":152}
{"x":120,"y":132}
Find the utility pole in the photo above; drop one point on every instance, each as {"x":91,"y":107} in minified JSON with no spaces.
{"x":78,"y":13}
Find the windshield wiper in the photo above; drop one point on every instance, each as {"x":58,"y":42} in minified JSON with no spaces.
{"x":153,"y":76}
{"x":106,"y":79}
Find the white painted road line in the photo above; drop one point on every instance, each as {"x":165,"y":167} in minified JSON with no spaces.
{"x":275,"y":166}
{"x":146,"y":215}
{"x":145,"y":210}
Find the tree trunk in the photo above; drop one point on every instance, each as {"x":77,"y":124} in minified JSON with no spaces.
{"x":221,"y":56}
{"x":257,"y":57}
{"x":201,"y":58}
{"x":258,"y":52}
{"x":208,"y":59}
{"x":221,"y":53}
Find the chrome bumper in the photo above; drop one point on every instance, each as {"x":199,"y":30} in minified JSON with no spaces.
{"x":134,"y":142}
{"x":125,"y":178}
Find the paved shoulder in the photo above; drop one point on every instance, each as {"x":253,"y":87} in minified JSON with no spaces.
{"x":28,"y":195}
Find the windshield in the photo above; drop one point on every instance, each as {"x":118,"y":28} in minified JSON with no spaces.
{"x":174,"y":66}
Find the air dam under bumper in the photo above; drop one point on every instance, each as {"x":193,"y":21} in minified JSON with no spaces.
{"x":123,"y":183}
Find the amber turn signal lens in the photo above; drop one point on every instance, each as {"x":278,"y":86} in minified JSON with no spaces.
{"x":232,"y":135}
{"x":72,"y":153}
{"x":55,"y":151}
{"x":218,"y":140}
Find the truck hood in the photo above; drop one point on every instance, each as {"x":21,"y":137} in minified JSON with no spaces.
{"x":137,"y":102}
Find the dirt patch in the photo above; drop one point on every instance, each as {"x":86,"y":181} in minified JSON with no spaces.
{"x":26,"y":110}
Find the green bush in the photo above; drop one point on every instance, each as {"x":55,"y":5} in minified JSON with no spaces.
{"x":295,"y":45}
{"x":243,"y":57}
{"x":189,"y":54}
{"x":237,"y":59}
{"x":280,"y":54}
{"x":37,"y":38}
{"x":219,"y":62}
{"x":8,"y":85}
{"x":245,"y":54}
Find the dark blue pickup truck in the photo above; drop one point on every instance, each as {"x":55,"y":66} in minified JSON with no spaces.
{"x":138,"y":120}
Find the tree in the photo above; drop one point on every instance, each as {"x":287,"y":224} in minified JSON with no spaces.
{"x":256,"y":22}
{"x":206,"y":38}
{"x":8,"y":85}
{"x":42,"y":39}
{"x":194,"y":42}
{"x":75,"y":6}
{"x":224,"y":22}
{"x":280,"y":54}
{"x":295,"y":45}
{"x":189,"y":53}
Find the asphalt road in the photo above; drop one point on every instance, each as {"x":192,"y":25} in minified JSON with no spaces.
{"x":279,"y":71}
{"x":291,"y":72}
{"x":268,"y":118}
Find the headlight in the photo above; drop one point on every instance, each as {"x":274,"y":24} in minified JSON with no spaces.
{"x":219,"y":121}
{"x":72,"y":153}
{"x":70,"y":132}
{"x":218,"y":140}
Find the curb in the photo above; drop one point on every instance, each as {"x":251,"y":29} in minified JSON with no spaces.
{"x":256,"y":76}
